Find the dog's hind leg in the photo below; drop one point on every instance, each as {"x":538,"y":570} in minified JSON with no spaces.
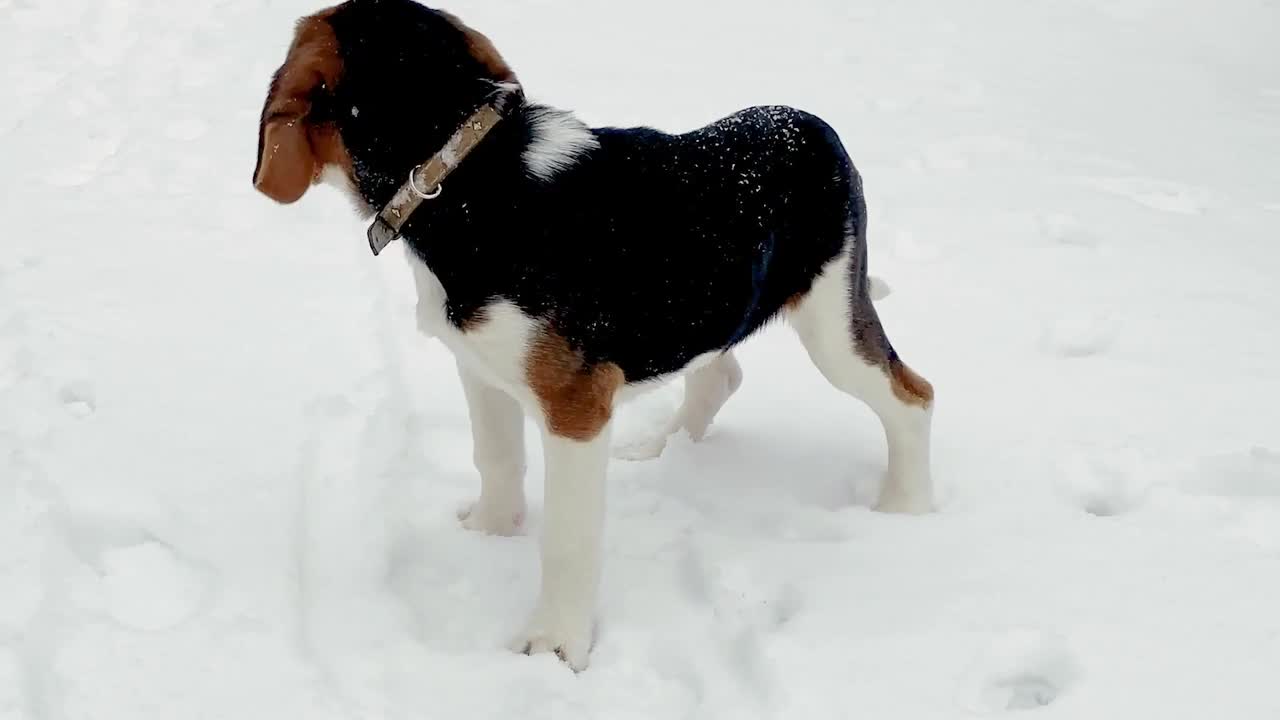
{"x":706,"y":390}
{"x":842,"y":333}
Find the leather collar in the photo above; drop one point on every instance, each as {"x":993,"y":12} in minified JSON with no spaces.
{"x":426,"y":180}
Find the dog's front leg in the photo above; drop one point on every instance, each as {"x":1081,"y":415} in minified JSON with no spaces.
{"x":571,"y":537}
{"x":497,"y":435}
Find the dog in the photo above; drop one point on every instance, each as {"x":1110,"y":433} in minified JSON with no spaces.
{"x":568,"y":267}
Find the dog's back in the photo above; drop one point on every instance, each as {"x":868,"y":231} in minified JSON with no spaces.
{"x":627,"y":244}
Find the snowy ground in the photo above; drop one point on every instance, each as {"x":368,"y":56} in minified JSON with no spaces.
{"x":229,"y":466}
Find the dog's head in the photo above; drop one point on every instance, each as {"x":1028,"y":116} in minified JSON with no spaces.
{"x":369,"y":89}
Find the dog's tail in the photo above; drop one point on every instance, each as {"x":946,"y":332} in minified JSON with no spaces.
{"x":876,"y":288}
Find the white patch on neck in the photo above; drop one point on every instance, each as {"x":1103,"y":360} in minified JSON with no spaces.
{"x":336,"y":177}
{"x":558,"y":139}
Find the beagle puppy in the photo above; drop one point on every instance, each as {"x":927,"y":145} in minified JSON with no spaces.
{"x":567,"y":267}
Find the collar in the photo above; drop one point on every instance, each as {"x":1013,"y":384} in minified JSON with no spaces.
{"x":426,"y":180}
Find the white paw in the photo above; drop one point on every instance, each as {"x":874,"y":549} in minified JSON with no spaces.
{"x":646,"y":449}
{"x":493,"y":518}
{"x":905,"y":504}
{"x":704,"y":399}
{"x":568,"y":635}
{"x":698,"y":421}
{"x":1020,"y":670}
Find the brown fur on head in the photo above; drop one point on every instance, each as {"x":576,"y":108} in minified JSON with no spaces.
{"x":302,"y":130}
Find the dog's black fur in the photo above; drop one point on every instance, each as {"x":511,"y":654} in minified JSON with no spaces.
{"x":649,"y":250}
{"x":628,"y":253}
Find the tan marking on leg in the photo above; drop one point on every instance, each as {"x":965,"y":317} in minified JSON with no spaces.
{"x":908,"y":386}
{"x":576,"y":398}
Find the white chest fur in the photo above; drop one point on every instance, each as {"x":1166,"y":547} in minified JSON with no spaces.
{"x":494,"y":349}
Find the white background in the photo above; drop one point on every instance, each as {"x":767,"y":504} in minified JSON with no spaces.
{"x":229,"y":466}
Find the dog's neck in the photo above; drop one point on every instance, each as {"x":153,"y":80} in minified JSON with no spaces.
{"x":426,"y":180}
{"x":522,"y":140}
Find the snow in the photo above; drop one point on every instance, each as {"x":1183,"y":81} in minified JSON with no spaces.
{"x":229,"y":467}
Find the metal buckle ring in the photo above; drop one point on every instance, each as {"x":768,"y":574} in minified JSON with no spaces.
{"x":413,"y":185}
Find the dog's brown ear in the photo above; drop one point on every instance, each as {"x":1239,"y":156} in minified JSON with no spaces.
{"x":286,"y":165}
{"x":287,"y":162}
{"x":482,"y":49}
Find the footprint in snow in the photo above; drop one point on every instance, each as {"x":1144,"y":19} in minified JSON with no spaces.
{"x":736,"y":593}
{"x":85,"y":158}
{"x":1260,"y":525}
{"x":145,"y":583}
{"x":1077,"y":334}
{"x":1106,"y":484}
{"x":695,"y":573}
{"x":148,"y":587}
{"x":78,"y":398}
{"x":1254,"y":473}
{"x":1246,"y":486}
{"x":1162,"y":195}
{"x":1065,"y":229}
{"x":787,"y":602}
{"x":1019,"y":670}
